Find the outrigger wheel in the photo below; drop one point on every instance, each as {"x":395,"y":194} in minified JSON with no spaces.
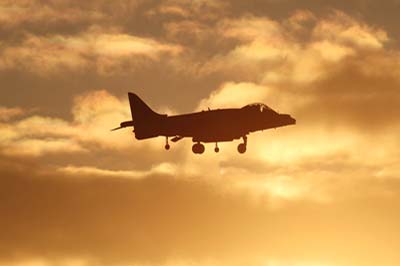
{"x":242,"y":146}
{"x":166,"y":144}
{"x":216,"y":149}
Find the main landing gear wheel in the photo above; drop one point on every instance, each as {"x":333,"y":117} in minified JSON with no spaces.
{"x":198,"y":148}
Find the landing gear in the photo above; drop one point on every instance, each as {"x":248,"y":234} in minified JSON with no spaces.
{"x":242,"y":146}
{"x":216,"y":149}
{"x":198,"y":148}
{"x":166,"y":144}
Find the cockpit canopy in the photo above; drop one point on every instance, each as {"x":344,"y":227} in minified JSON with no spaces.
{"x":260,"y":107}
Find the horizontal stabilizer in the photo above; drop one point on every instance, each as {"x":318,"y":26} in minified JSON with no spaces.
{"x":123,"y":125}
{"x":116,"y":128}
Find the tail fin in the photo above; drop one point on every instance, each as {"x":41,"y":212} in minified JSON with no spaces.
{"x":139,"y":109}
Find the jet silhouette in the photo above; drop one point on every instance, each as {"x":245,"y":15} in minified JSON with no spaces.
{"x":206,"y":126}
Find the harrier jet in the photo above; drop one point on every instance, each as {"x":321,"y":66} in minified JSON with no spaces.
{"x":206,"y":126}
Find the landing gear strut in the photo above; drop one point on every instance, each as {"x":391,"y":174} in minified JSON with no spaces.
{"x":166,"y":144}
{"x":242,"y":146}
{"x":198,"y":148}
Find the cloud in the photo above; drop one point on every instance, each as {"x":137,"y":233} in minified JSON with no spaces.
{"x":250,"y":28}
{"x":344,"y":29}
{"x":16,"y":14}
{"x":125,"y":45}
{"x":290,"y":50}
{"x":37,"y":135}
{"x":39,"y":147}
{"x":105,"y":52}
{"x":237,"y":95}
{"x":8,"y":113}
{"x":204,"y":10}
{"x":114,"y":221}
{"x":161,"y":169}
{"x":94,"y":115}
{"x":234,"y":95}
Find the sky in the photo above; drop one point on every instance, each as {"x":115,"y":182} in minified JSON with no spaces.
{"x":325,"y":192}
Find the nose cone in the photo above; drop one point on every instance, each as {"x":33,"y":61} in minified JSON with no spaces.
{"x":287,"y":120}
{"x":292,"y":120}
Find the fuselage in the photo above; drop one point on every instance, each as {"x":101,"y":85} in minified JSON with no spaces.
{"x":213,"y":125}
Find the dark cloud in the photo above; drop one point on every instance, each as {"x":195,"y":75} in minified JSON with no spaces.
{"x":352,"y":96}
{"x":381,"y":14}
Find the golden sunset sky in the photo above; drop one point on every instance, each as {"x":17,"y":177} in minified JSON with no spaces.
{"x":325,"y":192}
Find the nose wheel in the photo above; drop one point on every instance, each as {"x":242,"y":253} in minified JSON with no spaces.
{"x":198,"y":148}
{"x":242,"y":147}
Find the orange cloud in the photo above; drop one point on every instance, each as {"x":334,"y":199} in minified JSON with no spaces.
{"x":161,"y":169}
{"x":275,"y":52}
{"x":344,"y":29}
{"x":16,"y":13}
{"x":234,"y":95}
{"x":8,"y":113}
{"x":94,"y":114}
{"x":51,"y":54}
{"x":39,"y":147}
{"x":37,"y":135}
